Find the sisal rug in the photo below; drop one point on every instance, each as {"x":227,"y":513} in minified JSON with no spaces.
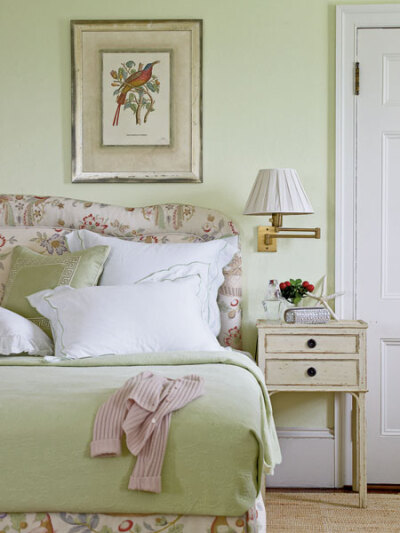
{"x":331,"y":512}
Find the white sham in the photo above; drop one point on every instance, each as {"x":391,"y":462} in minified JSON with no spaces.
{"x":140,"y":318}
{"x":129,"y":262}
{"x":18,"y":335}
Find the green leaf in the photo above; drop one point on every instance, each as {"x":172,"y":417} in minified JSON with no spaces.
{"x":134,"y":107}
{"x":116,"y":92}
{"x":176,"y":528}
{"x":16,"y":519}
{"x":130,"y":64}
{"x":106,"y":529}
{"x":121,"y":73}
{"x":39,"y":517}
{"x":151,"y":87}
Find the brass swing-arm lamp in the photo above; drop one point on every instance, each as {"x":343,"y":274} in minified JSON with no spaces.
{"x":278,"y":192}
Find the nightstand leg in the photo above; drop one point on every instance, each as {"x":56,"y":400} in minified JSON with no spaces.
{"x":362,"y":466}
{"x":263,"y":487}
{"x":355,"y":426}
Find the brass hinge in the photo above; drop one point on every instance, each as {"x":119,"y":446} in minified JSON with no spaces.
{"x":357,"y":78}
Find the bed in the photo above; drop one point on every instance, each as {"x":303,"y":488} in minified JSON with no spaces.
{"x":218,"y":447}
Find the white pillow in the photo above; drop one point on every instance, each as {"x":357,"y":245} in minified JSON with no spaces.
{"x":145,"y":317}
{"x":129,"y":262}
{"x":18,"y":335}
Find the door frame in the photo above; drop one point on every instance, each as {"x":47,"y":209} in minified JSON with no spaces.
{"x":349,"y":18}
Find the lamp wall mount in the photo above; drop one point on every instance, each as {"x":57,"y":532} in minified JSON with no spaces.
{"x":268,"y":235}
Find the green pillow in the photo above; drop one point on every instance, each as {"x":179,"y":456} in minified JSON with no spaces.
{"x":31,"y":272}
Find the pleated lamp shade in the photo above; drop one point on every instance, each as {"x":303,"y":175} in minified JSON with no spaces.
{"x":278,"y":190}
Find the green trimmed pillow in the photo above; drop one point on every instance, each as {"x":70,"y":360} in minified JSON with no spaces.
{"x":31,"y":272}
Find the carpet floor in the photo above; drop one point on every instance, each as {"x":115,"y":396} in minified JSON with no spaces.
{"x":331,"y":512}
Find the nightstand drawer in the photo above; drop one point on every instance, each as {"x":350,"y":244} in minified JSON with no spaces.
{"x":312,"y":343}
{"x":311,"y":372}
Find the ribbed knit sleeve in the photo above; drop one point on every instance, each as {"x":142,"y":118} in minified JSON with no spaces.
{"x":107,"y":429}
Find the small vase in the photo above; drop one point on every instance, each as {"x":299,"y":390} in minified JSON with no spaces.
{"x":273,"y":302}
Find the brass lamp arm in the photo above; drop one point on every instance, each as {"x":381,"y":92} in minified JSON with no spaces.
{"x":315,"y":231}
{"x":267,"y":236}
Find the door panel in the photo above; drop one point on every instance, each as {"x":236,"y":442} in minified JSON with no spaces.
{"x":390,"y":371}
{"x":391,"y":214}
{"x":378,"y":242}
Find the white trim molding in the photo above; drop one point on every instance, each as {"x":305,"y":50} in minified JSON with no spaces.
{"x":305,"y":433}
{"x":385,"y":430}
{"x":316,"y":469}
{"x":349,"y":19}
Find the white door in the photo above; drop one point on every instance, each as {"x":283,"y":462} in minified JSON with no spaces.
{"x":378,"y":242}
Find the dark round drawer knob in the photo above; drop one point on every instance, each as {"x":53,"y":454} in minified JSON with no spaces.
{"x":311,"y":371}
{"x":311,"y":343}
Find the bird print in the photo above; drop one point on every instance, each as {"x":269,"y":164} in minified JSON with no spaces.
{"x":137,"y":79}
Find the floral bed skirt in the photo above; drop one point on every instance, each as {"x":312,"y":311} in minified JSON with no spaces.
{"x":254,"y":521}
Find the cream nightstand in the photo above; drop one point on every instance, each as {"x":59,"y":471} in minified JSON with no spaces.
{"x":323,"y":358}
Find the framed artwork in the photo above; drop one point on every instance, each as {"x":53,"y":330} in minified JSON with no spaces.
{"x":136,"y":101}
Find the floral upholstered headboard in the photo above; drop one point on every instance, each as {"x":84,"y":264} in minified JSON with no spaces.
{"x":51,"y":217}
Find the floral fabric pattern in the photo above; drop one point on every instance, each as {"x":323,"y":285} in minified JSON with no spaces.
{"x":41,"y":224}
{"x":50,"y":218}
{"x":47,"y":241}
{"x":254,"y":521}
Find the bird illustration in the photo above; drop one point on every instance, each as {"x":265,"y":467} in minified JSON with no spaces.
{"x":137,"y":79}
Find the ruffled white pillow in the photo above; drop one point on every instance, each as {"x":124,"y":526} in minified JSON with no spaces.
{"x":18,"y":335}
{"x":130,"y":262}
{"x":144,"y":317}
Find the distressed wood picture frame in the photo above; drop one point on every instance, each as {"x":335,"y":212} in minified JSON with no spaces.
{"x":136,"y":101}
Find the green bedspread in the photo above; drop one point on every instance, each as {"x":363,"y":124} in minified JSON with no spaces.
{"x":216,"y":446}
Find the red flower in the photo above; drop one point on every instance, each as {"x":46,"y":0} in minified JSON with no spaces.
{"x":233,"y":336}
{"x":93,"y":222}
{"x":234,"y":230}
{"x":125,"y":525}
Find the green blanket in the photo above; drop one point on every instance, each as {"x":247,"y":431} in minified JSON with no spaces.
{"x":216,"y":446}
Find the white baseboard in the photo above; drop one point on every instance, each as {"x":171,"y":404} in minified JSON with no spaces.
{"x":308,"y":458}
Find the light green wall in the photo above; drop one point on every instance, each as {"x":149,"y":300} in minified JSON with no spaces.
{"x":268,"y":100}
